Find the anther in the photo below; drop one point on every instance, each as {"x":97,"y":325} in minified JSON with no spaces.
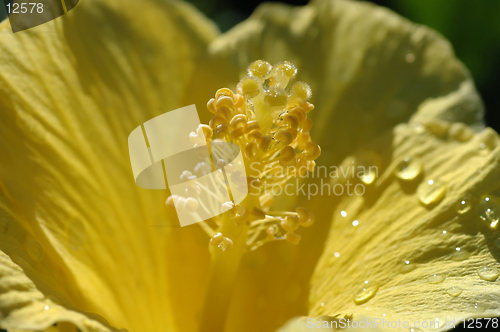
{"x":224,"y":112}
{"x":211,"y":105}
{"x":237,"y":133}
{"x":299,"y":113}
{"x":224,"y":92}
{"x":258,"y":213}
{"x":252,"y":125}
{"x":292,"y":238}
{"x":191,"y":204}
{"x":312,"y":151}
{"x":306,"y":125}
{"x":222,"y":130}
{"x":290,"y":223}
{"x":239,"y":120}
{"x":302,"y":139}
{"x":254,"y":135}
{"x":287,"y":156}
{"x":284,"y":137}
{"x":225,"y":101}
{"x":291,"y":121}
{"x":265,"y":142}
{"x":306,"y":218}
{"x":226,"y":206}
{"x":216,"y":239}
{"x":251,"y":150}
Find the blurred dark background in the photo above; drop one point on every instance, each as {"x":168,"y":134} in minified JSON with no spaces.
{"x":473,"y":28}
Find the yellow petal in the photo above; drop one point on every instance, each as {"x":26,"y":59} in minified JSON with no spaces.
{"x":369,"y":70}
{"x":421,"y":251}
{"x":71,"y":91}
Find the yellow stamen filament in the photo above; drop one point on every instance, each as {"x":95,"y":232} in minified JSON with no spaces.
{"x":268,"y":118}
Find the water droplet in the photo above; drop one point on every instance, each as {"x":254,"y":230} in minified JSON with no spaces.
{"x":337,"y":254}
{"x":47,"y":307}
{"x":343,"y":213}
{"x":34,"y":249}
{"x":496,"y":243}
{"x":454,"y":291}
{"x":436,"y":279}
{"x":488,"y":273}
{"x":431,"y":191}
{"x":487,"y":145}
{"x":355,"y":223}
{"x":368,"y":165}
{"x":76,"y":234}
{"x":366,"y":292}
{"x":409,"y":168}
{"x":407,"y":266}
{"x":415,"y":329}
{"x":419,"y":128}
{"x":460,"y":255}
{"x":489,"y":210}
{"x":460,"y":132}
{"x":478,"y":307}
{"x":464,"y":205}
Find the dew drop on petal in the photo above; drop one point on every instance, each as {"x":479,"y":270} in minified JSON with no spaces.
{"x":464,"y":205}
{"x":454,"y":291}
{"x":460,"y":255}
{"x":436,"y":279}
{"x":407,"y":266}
{"x":445,"y":234}
{"x":337,"y":254}
{"x":489,"y":210}
{"x":478,"y":307}
{"x":366,"y":292}
{"x":419,"y":128}
{"x":488,"y":273}
{"x":343,"y":213}
{"x":409,"y":168}
{"x":76,"y":234}
{"x":368,"y":165}
{"x":34,"y":249}
{"x":47,"y":307}
{"x":431,"y":191}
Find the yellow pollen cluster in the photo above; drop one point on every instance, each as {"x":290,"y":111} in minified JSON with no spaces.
{"x":268,"y":119}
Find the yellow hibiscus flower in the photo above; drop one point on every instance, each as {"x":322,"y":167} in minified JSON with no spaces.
{"x":83,"y":248}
